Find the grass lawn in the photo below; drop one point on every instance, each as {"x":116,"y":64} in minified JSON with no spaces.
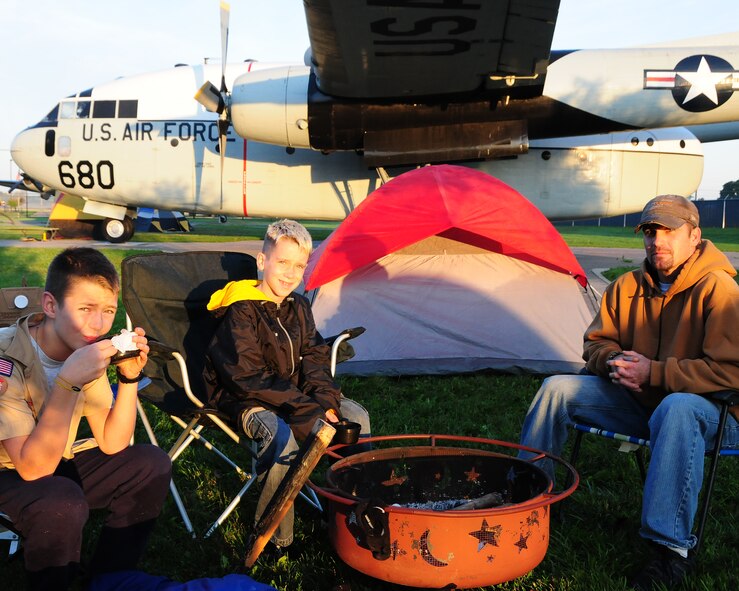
{"x":594,"y":541}
{"x":209,"y":229}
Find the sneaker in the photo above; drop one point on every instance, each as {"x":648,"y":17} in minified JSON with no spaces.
{"x":273,"y":552}
{"x":667,"y":568}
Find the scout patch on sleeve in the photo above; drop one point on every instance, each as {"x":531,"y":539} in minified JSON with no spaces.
{"x":6,"y":367}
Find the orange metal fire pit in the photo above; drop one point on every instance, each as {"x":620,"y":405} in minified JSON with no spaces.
{"x":399,"y":513}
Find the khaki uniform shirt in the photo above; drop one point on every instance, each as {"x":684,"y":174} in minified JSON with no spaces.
{"x":26,"y":389}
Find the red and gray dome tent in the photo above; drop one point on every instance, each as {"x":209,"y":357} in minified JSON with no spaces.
{"x":451,"y":270}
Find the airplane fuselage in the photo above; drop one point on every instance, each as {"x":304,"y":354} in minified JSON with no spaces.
{"x":586,"y":148}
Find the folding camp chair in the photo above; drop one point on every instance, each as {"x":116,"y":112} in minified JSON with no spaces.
{"x":725,"y":398}
{"x":8,"y":533}
{"x":166,"y":294}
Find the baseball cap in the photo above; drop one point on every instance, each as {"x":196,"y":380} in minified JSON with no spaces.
{"x":670,"y":211}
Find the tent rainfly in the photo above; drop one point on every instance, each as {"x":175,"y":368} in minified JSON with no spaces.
{"x":451,"y":270}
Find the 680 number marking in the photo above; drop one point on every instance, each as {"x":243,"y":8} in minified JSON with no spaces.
{"x":85,"y":175}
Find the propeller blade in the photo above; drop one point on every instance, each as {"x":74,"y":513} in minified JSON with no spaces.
{"x":210,"y":97}
{"x":15,"y":185}
{"x":222,"y":131}
{"x":225,"y":15}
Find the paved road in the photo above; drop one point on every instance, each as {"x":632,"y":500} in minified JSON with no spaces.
{"x":592,"y":260}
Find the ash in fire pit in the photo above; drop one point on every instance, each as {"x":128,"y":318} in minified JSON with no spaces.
{"x":489,"y":500}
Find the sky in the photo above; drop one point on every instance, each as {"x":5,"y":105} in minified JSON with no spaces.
{"x":51,"y":49}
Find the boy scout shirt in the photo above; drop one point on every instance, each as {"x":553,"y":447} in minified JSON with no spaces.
{"x":25,"y":390}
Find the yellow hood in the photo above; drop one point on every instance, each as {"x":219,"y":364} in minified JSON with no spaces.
{"x":236,"y":291}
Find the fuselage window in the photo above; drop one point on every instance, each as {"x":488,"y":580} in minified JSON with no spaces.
{"x":49,"y":143}
{"x":128,"y":109}
{"x":64,"y":146}
{"x":103,"y":110}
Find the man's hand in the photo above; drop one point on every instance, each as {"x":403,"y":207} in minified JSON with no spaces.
{"x":630,"y":370}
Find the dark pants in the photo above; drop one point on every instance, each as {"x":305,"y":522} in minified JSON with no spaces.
{"x":50,"y":513}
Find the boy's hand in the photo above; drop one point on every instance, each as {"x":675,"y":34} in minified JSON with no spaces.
{"x":87,"y":363}
{"x":332,"y":416}
{"x":132,"y":367}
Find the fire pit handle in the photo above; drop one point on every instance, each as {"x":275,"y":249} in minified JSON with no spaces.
{"x":572,"y":478}
{"x":372,"y":520}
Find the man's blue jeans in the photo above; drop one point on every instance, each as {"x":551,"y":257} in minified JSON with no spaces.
{"x":277,"y":448}
{"x":681,"y":430}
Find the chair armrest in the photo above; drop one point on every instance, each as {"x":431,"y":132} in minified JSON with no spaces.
{"x":341,"y":349}
{"x":159,"y":347}
{"x":728,"y":397}
{"x":346,"y":334}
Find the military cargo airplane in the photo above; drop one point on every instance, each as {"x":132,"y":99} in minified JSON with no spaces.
{"x":387,"y":85}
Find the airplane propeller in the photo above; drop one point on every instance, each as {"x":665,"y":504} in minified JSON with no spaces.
{"x":217,"y":100}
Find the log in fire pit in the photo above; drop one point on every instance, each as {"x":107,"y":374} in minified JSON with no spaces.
{"x":440,"y":516}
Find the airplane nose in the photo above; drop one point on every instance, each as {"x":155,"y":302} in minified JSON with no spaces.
{"x":20,"y":148}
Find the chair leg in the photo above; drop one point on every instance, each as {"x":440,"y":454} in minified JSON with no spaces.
{"x":574,"y":455}
{"x":173,"y":489}
{"x":231,"y":506}
{"x":309,"y":495}
{"x":715,"y":455}
{"x":639,"y":453}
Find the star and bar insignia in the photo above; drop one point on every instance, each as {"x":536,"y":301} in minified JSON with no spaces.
{"x":698,"y":83}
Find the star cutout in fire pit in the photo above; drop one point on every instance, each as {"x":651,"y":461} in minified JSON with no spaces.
{"x":396,"y":550}
{"x":487,"y":535}
{"x":472,"y":475}
{"x":393,"y":480}
{"x":522,"y":543}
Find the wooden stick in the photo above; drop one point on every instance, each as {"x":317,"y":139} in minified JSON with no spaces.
{"x":297,"y":474}
{"x":492,"y":499}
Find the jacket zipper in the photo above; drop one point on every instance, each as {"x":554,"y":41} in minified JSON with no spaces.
{"x":659,"y":332}
{"x":289,"y":340}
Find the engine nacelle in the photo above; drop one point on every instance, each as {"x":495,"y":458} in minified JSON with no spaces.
{"x":271,"y":106}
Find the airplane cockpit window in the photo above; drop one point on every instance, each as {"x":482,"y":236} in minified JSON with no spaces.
{"x":83,"y":109}
{"x":74,"y":109}
{"x":52,"y":115}
{"x":128,"y":109}
{"x":103,"y":110}
{"x":68,"y":110}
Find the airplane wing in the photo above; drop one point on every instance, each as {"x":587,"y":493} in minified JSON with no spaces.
{"x":375,"y":49}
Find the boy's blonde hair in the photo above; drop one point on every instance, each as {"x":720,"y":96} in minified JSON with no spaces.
{"x":287,"y":229}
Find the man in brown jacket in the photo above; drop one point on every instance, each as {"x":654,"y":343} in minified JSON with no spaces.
{"x":665,"y":335}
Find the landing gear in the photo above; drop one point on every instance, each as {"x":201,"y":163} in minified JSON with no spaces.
{"x":116,"y":231}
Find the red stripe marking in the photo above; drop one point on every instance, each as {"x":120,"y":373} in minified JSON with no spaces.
{"x":243,"y":181}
